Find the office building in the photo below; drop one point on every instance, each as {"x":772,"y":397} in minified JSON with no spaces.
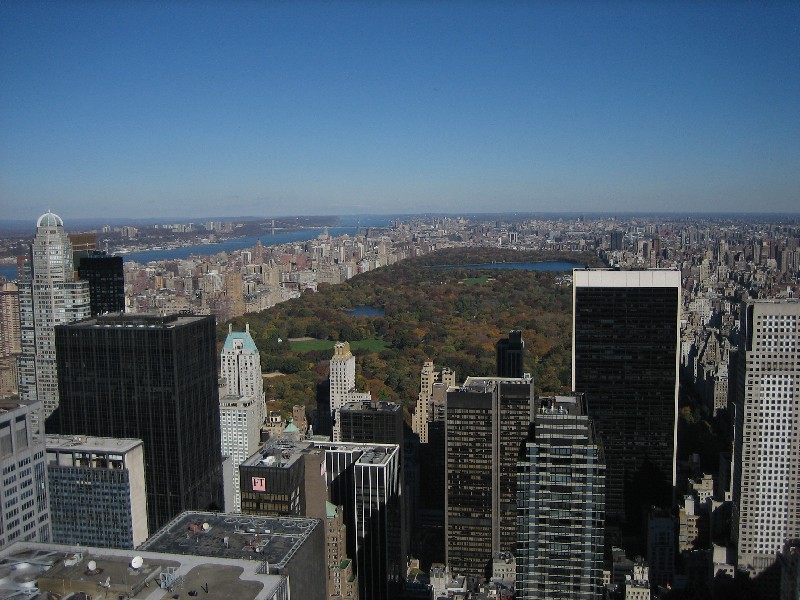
{"x":106,"y":280}
{"x":486,"y":426}
{"x":290,"y":476}
{"x":766,"y":475}
{"x":511,"y":355}
{"x":49,"y":295}
{"x":97,"y":493}
{"x":625,"y":341}
{"x":560,"y":492}
{"x":242,"y":408}
{"x":24,"y":504}
{"x":152,"y":378}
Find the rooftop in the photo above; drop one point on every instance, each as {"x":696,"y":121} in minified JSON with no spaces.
{"x":244,"y":338}
{"x":235,"y":536}
{"x":377,"y":406}
{"x":82,"y":443}
{"x":32,"y":571}
{"x":140,"y":320}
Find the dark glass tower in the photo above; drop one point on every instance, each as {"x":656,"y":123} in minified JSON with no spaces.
{"x":372,"y":422}
{"x":106,"y":281}
{"x":485,"y":429}
{"x":152,"y":378}
{"x":625,"y":360}
{"x":511,"y":355}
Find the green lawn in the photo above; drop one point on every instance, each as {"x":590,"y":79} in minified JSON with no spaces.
{"x":476,"y":280}
{"x":372,"y":345}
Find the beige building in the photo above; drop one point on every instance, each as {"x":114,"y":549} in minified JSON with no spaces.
{"x":97,"y":491}
{"x":430,"y":381}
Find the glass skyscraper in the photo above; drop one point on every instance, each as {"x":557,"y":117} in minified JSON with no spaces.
{"x":626,"y":332}
{"x":561,"y":505}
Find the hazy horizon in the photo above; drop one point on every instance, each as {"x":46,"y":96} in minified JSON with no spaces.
{"x":158,"y":110}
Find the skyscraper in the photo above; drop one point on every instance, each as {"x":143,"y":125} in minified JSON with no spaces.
{"x":766,"y":476}
{"x":343,"y":380}
{"x":241,"y":405}
{"x":511,"y":355}
{"x":342,"y":385}
{"x":48,"y":296}
{"x":425,"y":411}
{"x":560,"y":492}
{"x":486,"y":426}
{"x":153,"y":378}
{"x":106,"y":281}
{"x":625,"y":341}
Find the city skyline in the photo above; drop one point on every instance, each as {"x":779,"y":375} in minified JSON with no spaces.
{"x":143,"y":110}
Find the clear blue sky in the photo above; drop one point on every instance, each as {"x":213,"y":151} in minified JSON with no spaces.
{"x":202,"y":108}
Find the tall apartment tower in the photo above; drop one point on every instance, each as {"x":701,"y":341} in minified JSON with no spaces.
{"x":49,"y":295}
{"x":10,"y":347}
{"x":152,"y":378}
{"x":561,"y":499}
{"x":766,"y":476}
{"x":510,"y":355}
{"x":486,"y":426}
{"x":625,"y":358}
{"x":24,"y":504}
{"x":425,"y":411}
{"x":97,"y":493}
{"x":343,"y":381}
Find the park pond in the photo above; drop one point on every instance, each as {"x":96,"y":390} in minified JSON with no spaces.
{"x":366,"y":311}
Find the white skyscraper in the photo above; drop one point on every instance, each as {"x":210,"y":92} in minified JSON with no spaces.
{"x":240,"y":369}
{"x":766,"y":469}
{"x":242,"y":409}
{"x":49,"y":295}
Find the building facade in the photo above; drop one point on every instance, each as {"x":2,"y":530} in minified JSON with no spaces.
{"x":486,"y":426}
{"x":152,"y":378}
{"x":625,"y":359}
{"x":560,"y":494}
{"x":24,"y":503}
{"x":49,"y":295}
{"x":97,"y":491}
{"x":766,"y":477}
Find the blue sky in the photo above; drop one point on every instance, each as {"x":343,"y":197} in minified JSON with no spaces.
{"x":199,"y":108}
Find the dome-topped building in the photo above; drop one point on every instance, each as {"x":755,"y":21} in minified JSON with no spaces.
{"x":49,"y":295}
{"x":49,"y":219}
